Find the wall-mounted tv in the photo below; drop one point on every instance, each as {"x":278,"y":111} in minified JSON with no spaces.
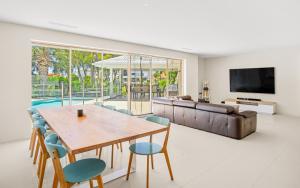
{"x":253,"y":80}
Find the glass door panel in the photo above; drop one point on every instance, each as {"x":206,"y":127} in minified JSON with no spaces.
{"x":140,"y":84}
{"x":159,"y":77}
{"x":85,"y":77}
{"x":115,"y":80}
{"x":50,"y":76}
{"x":174,"y":87}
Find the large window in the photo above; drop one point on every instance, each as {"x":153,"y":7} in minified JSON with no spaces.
{"x":68,"y":76}
{"x":50,"y":76}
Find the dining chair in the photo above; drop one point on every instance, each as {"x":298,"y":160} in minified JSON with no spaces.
{"x":77,"y":172}
{"x":149,"y":148}
{"x":36,"y":120}
{"x":36,"y":143}
{"x":44,"y":156}
{"x":110,"y":107}
{"x":99,"y":151}
{"x":125,"y":111}
{"x":33,"y":114}
{"x":128,"y":112}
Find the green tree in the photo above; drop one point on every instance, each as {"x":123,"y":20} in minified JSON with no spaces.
{"x":41,"y":61}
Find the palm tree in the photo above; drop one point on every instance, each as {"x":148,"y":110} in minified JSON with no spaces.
{"x":42,"y":61}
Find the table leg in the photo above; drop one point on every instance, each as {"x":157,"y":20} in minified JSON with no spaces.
{"x":122,"y":172}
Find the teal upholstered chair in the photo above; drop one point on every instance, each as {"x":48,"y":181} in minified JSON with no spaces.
{"x":149,"y":148}
{"x":41,"y":133}
{"x":110,"y":107}
{"x":32,"y":111}
{"x":79,"y":171}
{"x":99,"y":151}
{"x":36,"y":120}
{"x":125,"y":111}
{"x":98,"y":103}
{"x":128,"y":112}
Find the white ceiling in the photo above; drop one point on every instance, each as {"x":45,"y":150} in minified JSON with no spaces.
{"x":206,"y":27}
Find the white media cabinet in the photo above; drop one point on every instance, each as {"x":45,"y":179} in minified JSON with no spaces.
{"x":263,"y":107}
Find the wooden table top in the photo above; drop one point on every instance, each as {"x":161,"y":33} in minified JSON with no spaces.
{"x":99,"y":127}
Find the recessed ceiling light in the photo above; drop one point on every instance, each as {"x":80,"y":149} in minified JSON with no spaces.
{"x":63,"y":25}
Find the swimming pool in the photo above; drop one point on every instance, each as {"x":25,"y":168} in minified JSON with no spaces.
{"x":55,"y":102}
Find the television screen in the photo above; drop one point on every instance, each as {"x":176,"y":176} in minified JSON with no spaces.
{"x":252,"y":80}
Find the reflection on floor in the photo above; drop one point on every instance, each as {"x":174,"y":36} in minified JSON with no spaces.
{"x":268,"y":158}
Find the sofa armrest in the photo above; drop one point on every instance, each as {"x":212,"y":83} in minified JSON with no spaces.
{"x":247,"y":114}
{"x":163,"y":101}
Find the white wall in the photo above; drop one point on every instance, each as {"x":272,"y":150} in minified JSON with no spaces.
{"x":201,"y":73}
{"x":287,"y":76}
{"x":15,"y":72}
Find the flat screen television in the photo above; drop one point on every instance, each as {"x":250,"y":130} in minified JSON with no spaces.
{"x":253,"y":80}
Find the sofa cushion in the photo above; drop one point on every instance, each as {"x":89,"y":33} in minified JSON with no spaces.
{"x":185,"y":103}
{"x":163,"y":101}
{"x":218,"y":108}
{"x":236,"y":108}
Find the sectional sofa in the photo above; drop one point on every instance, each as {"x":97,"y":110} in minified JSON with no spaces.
{"x":215,"y":118}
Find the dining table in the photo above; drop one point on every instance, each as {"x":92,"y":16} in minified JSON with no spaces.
{"x":96,"y":128}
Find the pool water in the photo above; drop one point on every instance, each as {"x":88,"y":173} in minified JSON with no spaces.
{"x":54,"y":102}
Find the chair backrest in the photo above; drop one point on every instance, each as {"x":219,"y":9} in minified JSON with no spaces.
{"x":52,"y":145}
{"x":32,"y":111}
{"x":39,"y":121}
{"x":109,"y":107}
{"x":159,"y":120}
{"x":56,"y":151}
{"x":36,"y":116}
{"x":40,"y":128}
{"x":124,"y":111}
{"x":162,"y":121}
{"x":98,"y":103}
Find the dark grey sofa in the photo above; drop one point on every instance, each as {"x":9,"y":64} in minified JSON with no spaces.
{"x":215,"y":118}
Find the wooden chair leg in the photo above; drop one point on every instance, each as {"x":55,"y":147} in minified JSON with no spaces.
{"x":31,"y":140}
{"x":147,"y":183}
{"x":152,"y":162}
{"x":97,"y":152}
{"x":169,"y":165}
{"x":112,"y":156}
{"x":37,"y":148}
{"x":33,"y":143}
{"x":100,"y":181}
{"x":39,"y":164}
{"x":100,"y":152}
{"x":55,"y":181}
{"x":41,"y":178}
{"x":129,"y":165}
{"x":72,"y":158}
{"x":91,"y":184}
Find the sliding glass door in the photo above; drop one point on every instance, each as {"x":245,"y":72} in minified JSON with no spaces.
{"x":115,"y":80}
{"x":50,"y":76}
{"x":85,"y":77}
{"x":159,"y":77}
{"x":140,"y":68}
{"x":81,"y":76}
{"x":174,"y":77}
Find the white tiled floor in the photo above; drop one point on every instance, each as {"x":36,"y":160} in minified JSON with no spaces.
{"x":268,"y":158}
